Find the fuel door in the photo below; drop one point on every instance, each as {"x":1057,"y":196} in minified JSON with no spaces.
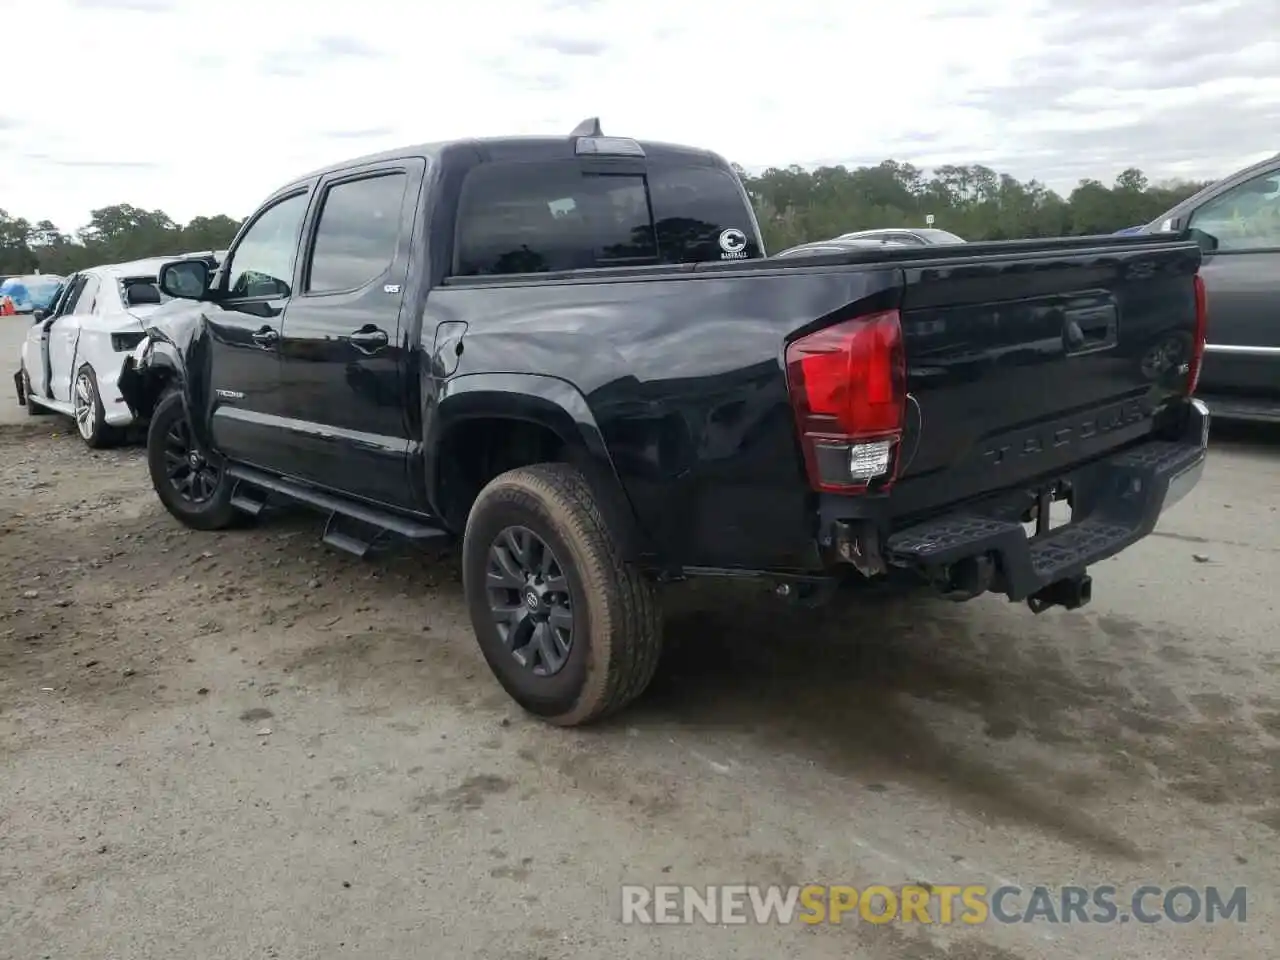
{"x":447,"y":350}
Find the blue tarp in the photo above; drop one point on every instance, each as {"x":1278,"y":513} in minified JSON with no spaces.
{"x":30,"y":293}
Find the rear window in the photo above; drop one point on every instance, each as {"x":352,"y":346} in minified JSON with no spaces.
{"x":146,"y":292}
{"x":538,"y":217}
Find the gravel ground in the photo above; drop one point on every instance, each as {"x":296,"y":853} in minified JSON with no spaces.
{"x":244,"y":745}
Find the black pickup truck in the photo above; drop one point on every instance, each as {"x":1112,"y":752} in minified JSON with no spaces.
{"x":573,"y":353}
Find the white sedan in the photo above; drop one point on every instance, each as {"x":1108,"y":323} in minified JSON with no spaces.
{"x":72,"y":356}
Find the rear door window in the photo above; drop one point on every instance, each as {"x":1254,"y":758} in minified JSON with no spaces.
{"x":357,"y":234}
{"x":549,"y":216}
{"x":67,"y":303}
{"x":88,"y":298}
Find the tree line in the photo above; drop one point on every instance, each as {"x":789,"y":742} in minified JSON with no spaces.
{"x":114,"y":234}
{"x":793,"y":205}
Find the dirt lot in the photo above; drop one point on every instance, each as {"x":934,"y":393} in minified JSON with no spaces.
{"x":244,"y":745}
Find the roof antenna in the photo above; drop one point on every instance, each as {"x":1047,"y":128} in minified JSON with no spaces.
{"x":589,"y":127}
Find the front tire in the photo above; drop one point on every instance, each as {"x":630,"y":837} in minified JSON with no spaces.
{"x":571,"y":630}
{"x":89,"y":414}
{"x":195,"y":491}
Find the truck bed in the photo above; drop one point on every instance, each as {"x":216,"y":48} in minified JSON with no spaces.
{"x":683,"y":371}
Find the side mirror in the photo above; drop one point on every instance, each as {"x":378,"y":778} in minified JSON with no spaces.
{"x":1207,"y":241}
{"x":37,"y":316}
{"x":185,"y":279}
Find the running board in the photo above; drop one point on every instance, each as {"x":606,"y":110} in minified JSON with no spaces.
{"x":350,"y":535}
{"x":352,"y":527}
{"x":249,"y":499}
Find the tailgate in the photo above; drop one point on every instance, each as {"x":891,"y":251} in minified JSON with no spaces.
{"x":1020,"y":364}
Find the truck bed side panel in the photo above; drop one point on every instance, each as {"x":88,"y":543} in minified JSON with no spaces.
{"x":684,"y":376}
{"x":683,"y":372}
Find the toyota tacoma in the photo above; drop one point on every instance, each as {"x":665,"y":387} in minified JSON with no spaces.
{"x":573,"y":354}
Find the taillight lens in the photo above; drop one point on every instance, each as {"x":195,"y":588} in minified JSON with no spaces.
{"x":1202,"y":332}
{"x":848,"y":390}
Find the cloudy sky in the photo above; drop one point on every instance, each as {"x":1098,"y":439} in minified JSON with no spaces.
{"x":204,"y":106}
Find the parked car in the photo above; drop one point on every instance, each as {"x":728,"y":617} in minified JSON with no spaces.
{"x":819,"y":247}
{"x":1240,"y":218}
{"x":573,"y":354}
{"x":25,"y":294}
{"x":911,"y":236}
{"x":72,"y":355}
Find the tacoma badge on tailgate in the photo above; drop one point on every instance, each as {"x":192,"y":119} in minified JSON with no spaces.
{"x":1040,"y":439}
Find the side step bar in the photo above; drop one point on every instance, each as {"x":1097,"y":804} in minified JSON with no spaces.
{"x":352,"y":527}
{"x":249,"y":499}
{"x":350,"y":535}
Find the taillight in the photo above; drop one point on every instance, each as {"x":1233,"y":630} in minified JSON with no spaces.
{"x":1202,"y":331}
{"x":848,"y":386}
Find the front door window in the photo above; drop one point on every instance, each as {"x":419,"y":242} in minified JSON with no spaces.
{"x":262,"y":263}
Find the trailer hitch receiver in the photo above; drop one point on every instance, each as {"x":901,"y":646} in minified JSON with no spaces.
{"x":1070,"y":594}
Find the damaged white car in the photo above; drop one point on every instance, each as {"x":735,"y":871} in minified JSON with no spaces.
{"x":73,"y":353}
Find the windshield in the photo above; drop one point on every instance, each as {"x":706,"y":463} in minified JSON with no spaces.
{"x":30,"y":293}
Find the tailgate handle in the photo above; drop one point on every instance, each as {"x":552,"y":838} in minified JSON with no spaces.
{"x":1088,"y":333}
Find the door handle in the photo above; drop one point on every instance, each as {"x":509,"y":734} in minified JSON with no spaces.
{"x":266,"y":336}
{"x":368,"y":339}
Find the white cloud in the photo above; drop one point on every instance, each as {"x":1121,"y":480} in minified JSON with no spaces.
{"x":200,"y":108}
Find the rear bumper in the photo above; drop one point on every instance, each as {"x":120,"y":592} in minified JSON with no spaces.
{"x":1115,"y":502}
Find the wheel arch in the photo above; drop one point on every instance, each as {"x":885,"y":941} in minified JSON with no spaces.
{"x":163,"y":369}
{"x":484,"y":424}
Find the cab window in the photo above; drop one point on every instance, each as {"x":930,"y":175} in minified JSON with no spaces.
{"x":554,"y":215}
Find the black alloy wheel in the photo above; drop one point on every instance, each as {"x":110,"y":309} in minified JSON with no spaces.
{"x":193,"y":478}
{"x":570,"y":627}
{"x":528,"y":595}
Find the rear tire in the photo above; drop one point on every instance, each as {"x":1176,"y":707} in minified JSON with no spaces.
{"x":538,"y":555}
{"x":89,"y":414}
{"x":196,"y":492}
{"x":33,"y":409}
